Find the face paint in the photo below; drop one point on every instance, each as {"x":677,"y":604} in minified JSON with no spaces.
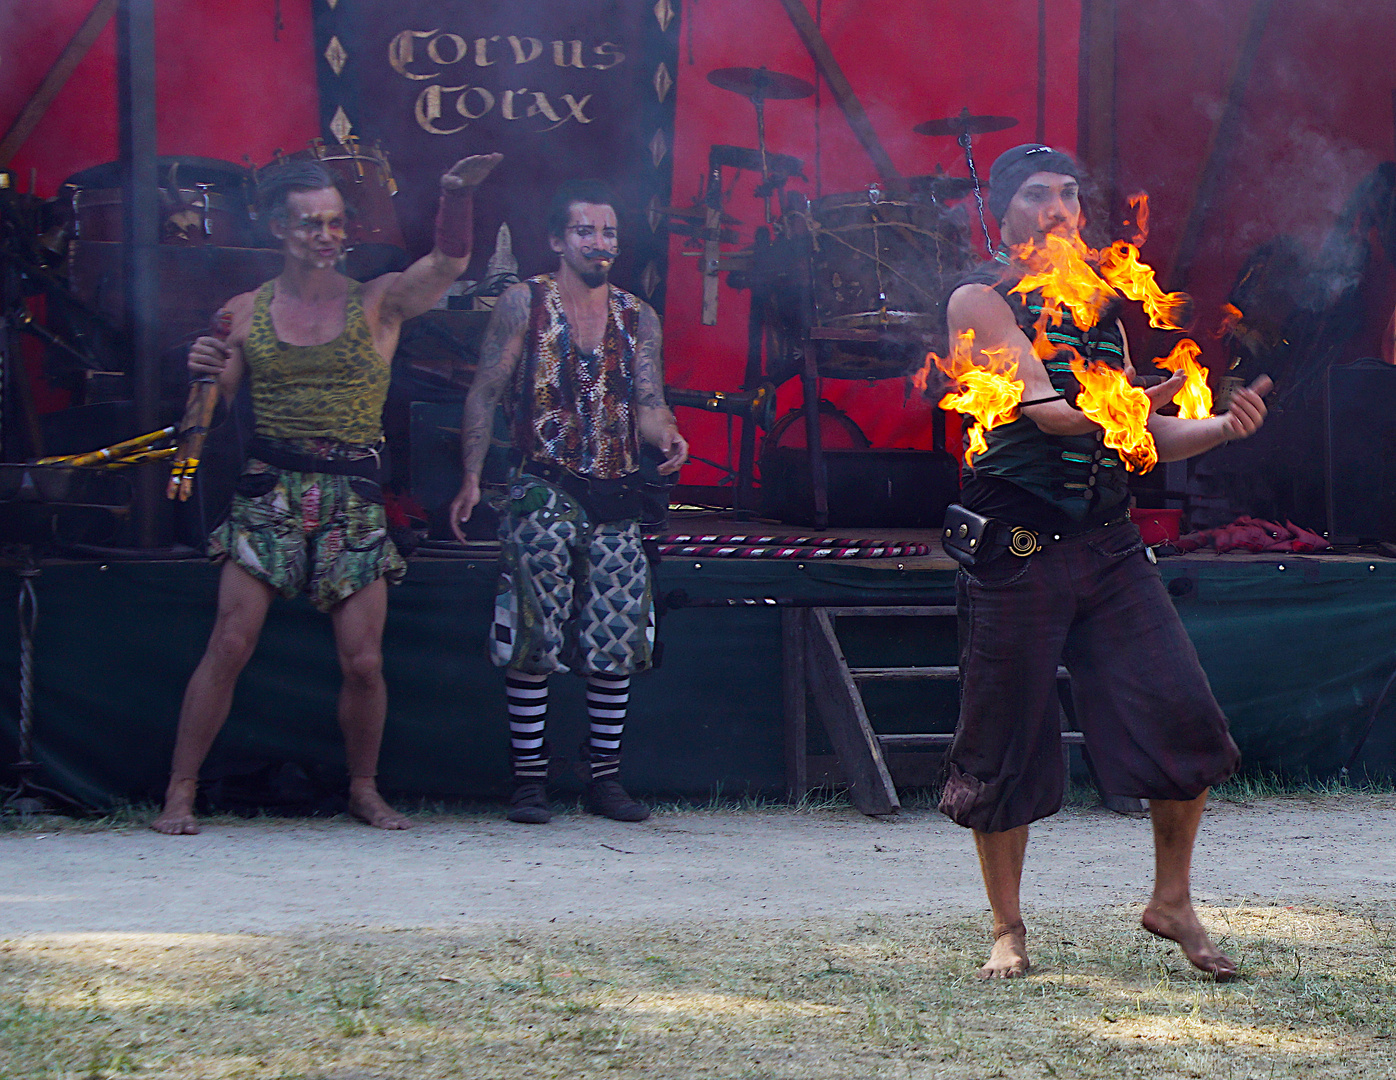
{"x":315,"y":229}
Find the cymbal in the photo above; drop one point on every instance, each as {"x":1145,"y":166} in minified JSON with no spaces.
{"x":964,"y":123}
{"x":941,"y":186}
{"x":760,"y":84}
{"x":697,"y":214}
{"x":743,"y":157}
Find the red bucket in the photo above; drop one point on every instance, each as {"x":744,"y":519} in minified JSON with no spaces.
{"x":1156,"y":526}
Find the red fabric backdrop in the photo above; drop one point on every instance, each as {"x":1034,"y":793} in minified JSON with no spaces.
{"x":231,"y":84}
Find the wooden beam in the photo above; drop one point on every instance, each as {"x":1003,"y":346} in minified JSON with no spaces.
{"x":839,"y":86}
{"x":55,"y":80}
{"x":792,"y":648}
{"x":1223,"y":143}
{"x":840,"y":707}
{"x":1095,"y":133}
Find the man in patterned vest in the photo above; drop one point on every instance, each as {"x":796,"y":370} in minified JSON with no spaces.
{"x":308,"y":517}
{"x":1073,"y":583}
{"x":577,"y":362}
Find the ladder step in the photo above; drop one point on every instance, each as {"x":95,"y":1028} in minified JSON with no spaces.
{"x":916,"y":742}
{"x":943,"y":671}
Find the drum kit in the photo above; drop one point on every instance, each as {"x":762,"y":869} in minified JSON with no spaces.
{"x":847,"y":286}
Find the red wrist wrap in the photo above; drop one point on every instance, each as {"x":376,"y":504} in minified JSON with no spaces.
{"x":455,"y":224}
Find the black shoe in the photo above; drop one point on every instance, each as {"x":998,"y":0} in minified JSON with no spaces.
{"x":609,"y":799}
{"x":529,"y":805}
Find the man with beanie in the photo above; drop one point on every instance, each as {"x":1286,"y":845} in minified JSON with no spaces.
{"x":580,"y":363}
{"x":1063,"y":576}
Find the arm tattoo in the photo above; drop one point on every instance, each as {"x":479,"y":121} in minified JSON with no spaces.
{"x":499,"y":356}
{"x":649,"y":363}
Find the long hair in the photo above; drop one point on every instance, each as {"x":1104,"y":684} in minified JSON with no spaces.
{"x":276,"y":184}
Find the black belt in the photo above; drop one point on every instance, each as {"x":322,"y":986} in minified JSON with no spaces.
{"x":1023,"y":541}
{"x":368,"y":468}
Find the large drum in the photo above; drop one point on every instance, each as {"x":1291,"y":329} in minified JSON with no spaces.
{"x":365,"y":179}
{"x":203,"y":201}
{"x":881,"y":262}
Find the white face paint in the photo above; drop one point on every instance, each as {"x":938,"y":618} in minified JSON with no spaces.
{"x":590,"y":242}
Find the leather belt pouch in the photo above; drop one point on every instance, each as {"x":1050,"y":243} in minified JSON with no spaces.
{"x":965,"y":536}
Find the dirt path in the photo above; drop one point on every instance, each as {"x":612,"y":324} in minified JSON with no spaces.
{"x":270,"y":877}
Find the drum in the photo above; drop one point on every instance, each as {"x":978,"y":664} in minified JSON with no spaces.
{"x":204,"y":201}
{"x":365,"y":179}
{"x":880,"y":264}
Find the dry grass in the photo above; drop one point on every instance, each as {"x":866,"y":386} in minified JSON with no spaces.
{"x":886,"y":997}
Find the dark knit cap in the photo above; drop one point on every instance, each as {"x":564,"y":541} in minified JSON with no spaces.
{"x":1014,"y":166}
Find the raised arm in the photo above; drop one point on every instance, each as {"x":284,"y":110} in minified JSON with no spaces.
{"x":499,"y":356}
{"x":421,"y":285}
{"x":655,"y":420}
{"x":981,"y":309}
{"x":1176,"y":438}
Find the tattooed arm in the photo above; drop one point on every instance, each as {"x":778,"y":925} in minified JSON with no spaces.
{"x":656,"y":423}
{"x":499,"y":356}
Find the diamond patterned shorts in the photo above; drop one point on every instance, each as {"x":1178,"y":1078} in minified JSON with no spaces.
{"x":572,"y":595}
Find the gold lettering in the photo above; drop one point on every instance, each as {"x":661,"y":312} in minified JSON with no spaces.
{"x":486,"y":98}
{"x":428,"y":109}
{"x":608,"y":49}
{"x":560,"y":57}
{"x":575,"y":107}
{"x":506,"y":107}
{"x":535,"y":49}
{"x":401,"y":52}
{"x":457,"y":42}
{"x":541,"y":104}
{"x":481,"y":56}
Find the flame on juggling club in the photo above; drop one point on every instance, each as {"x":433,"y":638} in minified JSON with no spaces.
{"x":1231,"y":318}
{"x":1195,"y":398}
{"x":1120,"y":265}
{"x":1122,"y":410}
{"x":989,"y":390}
{"x":1139,"y":217}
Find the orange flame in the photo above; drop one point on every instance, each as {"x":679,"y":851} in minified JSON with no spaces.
{"x":1120,"y":265}
{"x":1231,"y":317}
{"x":988,"y":390}
{"x":1122,"y":410}
{"x":1195,"y":398}
{"x":1139,"y":208}
{"x":1059,"y":268}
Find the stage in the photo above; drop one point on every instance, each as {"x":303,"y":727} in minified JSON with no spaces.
{"x":1297,"y":650}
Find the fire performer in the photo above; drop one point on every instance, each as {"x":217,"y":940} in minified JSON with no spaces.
{"x":1061,"y":575}
{"x":307,"y":517}
{"x":580,"y":362}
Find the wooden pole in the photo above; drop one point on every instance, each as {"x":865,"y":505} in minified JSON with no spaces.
{"x":67,"y":62}
{"x":839,"y":86}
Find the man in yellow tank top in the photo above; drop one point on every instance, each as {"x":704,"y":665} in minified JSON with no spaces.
{"x":308,"y":517}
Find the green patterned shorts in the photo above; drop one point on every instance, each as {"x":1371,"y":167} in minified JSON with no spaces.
{"x":572,"y":595}
{"x":309,"y":533}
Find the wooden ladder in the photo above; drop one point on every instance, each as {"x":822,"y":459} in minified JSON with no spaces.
{"x":815,"y":670}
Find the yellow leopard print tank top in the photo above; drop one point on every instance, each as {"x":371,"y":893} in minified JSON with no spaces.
{"x":335,"y":390}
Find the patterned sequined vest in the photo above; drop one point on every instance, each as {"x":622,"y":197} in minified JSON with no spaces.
{"x":571,"y":408}
{"x":335,"y":390}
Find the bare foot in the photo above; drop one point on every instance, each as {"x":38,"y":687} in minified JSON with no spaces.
{"x":1009,"y":957}
{"x":368,"y":806}
{"x":1180,"y":924}
{"x":177,"y":818}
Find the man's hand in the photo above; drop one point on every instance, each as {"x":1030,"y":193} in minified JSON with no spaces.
{"x":1161,"y":394}
{"x":1247,"y":410}
{"x":463,"y":505}
{"x":468,"y":173}
{"x":675,"y":449}
{"x":208,"y":358}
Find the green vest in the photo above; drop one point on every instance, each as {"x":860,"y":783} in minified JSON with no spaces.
{"x":1077,"y":474}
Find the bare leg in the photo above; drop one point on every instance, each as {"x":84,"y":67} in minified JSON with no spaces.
{"x":363,"y":700}
{"x":1170,"y":913}
{"x":242,"y":609}
{"x":1001,"y":861}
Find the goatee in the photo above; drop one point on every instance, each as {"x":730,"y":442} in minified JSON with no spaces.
{"x":593,"y":278}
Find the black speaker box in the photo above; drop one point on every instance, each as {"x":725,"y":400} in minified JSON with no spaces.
{"x":893,"y":489}
{"x":1361,"y":436}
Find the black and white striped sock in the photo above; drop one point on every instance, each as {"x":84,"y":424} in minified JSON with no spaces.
{"x":607,"y":699}
{"x":528,"y":712}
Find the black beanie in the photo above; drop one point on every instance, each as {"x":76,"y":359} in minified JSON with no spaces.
{"x":1014,"y":166}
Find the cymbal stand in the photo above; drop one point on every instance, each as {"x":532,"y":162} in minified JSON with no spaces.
{"x":966,"y":143}
{"x":765,"y":189}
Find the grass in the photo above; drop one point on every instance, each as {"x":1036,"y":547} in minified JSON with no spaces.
{"x":871,"y":997}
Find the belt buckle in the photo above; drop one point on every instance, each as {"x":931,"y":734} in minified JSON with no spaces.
{"x":1023,"y":542}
